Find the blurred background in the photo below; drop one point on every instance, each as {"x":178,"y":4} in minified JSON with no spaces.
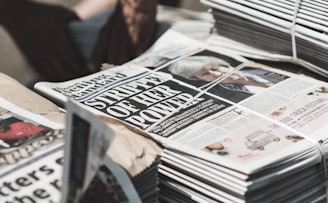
{"x":13,"y":63}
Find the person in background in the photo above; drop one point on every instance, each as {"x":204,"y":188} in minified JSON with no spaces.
{"x":45,"y":34}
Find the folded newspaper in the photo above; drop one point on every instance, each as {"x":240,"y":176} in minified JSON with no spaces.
{"x":32,"y":153}
{"x":234,"y":130}
{"x":31,"y":145}
{"x":94,"y":170}
{"x":294,"y":31}
{"x":86,"y":143}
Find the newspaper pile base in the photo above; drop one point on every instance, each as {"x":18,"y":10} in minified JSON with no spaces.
{"x":234,"y":130}
{"x":283,"y":31}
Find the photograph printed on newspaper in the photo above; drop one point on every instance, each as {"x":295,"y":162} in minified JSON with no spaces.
{"x":31,"y":152}
{"x":222,"y":98}
{"x":23,"y":134}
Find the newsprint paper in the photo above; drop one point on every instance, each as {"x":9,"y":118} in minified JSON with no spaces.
{"x":209,"y":104}
{"x":86,"y":143}
{"x":31,"y":156}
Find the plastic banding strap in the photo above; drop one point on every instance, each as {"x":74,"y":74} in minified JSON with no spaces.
{"x":292,"y":29}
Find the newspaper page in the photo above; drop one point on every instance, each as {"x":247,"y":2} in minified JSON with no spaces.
{"x":86,"y":143}
{"x":78,"y":89}
{"x":31,"y":156}
{"x":213,"y":99}
{"x":250,"y":120}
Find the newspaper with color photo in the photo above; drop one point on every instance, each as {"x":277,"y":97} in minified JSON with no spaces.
{"x":211,"y":104}
{"x":31,"y":156}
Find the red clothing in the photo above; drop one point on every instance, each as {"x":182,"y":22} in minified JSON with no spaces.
{"x":19,"y":130}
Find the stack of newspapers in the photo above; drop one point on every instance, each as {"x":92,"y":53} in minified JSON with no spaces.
{"x":232,"y":130}
{"x":281,"y":30}
{"x":185,"y":178}
{"x":185,"y":21}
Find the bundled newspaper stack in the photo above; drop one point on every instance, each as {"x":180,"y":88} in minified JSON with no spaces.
{"x":185,"y":178}
{"x":233,"y":130}
{"x":280,"y":30}
{"x":195,"y":24}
